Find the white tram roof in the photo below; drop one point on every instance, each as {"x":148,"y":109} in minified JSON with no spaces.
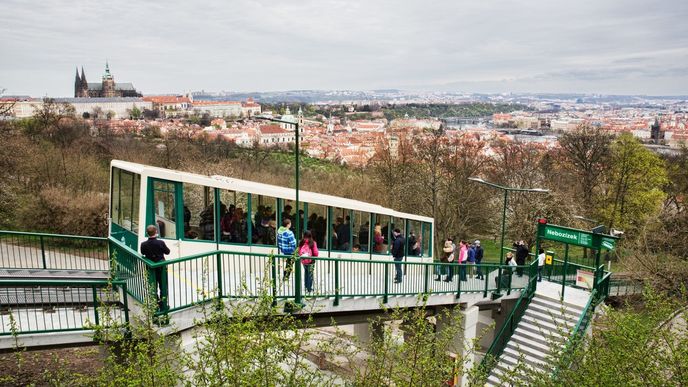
{"x":229,"y":183}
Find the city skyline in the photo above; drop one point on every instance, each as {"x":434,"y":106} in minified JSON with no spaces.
{"x":619,"y":47}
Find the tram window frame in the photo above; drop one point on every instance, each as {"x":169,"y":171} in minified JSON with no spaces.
{"x":337,"y":213}
{"x":387,"y":237}
{"x":257,"y":200}
{"x":151,"y":210}
{"x":129,"y":196}
{"x":417,"y":227}
{"x":427,"y":237}
{"x":320,"y":210}
{"x":238,"y":197}
{"x":303,"y":206}
{"x":358,"y":219}
{"x":209,"y":200}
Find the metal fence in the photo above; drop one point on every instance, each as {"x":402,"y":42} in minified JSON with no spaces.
{"x":186,"y":281}
{"x":39,"y":306}
{"x":24,"y":250}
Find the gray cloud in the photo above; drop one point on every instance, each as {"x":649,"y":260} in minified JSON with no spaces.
{"x":619,"y":46}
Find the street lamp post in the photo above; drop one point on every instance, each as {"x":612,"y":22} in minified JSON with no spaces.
{"x":506,"y":198}
{"x":297,"y":224}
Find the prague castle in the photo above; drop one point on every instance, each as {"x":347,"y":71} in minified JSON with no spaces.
{"x":107,"y":88}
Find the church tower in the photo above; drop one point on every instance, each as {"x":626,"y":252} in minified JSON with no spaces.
{"x":108,"y":83}
{"x":77,"y":84}
{"x":80,"y":85}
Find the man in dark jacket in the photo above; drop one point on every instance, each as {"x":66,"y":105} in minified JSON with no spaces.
{"x":478,"y":258}
{"x":398,"y":254}
{"x":521,"y":256}
{"x":155,"y":250}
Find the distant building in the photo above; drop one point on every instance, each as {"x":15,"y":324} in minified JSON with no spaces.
{"x":275,"y":135}
{"x":85,"y":107}
{"x":169,"y":105}
{"x":107,"y":88}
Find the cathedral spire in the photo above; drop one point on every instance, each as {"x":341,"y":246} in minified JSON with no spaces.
{"x":83,"y":76}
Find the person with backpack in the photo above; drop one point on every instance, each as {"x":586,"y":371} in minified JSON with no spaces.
{"x":398,"y":254}
{"x":478,"y":259}
{"x":307,"y":250}
{"x":286,"y":245}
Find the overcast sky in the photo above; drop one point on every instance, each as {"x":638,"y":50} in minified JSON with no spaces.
{"x":594,"y":46}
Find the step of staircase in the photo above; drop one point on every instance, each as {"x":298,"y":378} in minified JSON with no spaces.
{"x":542,"y":330}
{"x":550,"y":318}
{"x":567,"y":315}
{"x":557,"y":304}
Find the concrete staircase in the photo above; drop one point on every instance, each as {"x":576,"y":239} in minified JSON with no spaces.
{"x":543,"y":329}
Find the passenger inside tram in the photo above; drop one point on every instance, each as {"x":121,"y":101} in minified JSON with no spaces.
{"x":363,"y":236}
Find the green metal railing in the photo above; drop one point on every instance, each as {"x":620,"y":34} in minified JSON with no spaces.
{"x":511,"y":321}
{"x":25,"y":250}
{"x":581,"y":327}
{"x":190,"y":280}
{"x":43,"y":305}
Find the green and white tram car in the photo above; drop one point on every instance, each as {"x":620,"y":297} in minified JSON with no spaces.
{"x":199,"y":214}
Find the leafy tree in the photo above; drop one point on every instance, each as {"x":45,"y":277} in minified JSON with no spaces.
{"x":586,"y":152}
{"x":634,"y":185}
{"x":135,"y":113}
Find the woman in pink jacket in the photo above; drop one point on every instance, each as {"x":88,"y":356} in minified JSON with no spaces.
{"x":463,"y":258}
{"x":307,"y":250}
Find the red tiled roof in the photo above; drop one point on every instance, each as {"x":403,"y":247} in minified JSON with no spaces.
{"x":208,"y":103}
{"x":167,"y":99}
{"x":271,"y":129}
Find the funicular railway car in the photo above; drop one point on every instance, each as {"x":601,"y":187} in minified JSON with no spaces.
{"x":200,"y":214}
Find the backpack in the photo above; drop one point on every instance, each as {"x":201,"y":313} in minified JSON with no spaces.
{"x":305,"y":253}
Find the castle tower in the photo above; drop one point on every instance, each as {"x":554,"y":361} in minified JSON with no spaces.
{"x":108,"y":83}
{"x":77,"y":84}
{"x":80,"y":85}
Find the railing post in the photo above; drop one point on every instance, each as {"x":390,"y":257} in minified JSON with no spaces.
{"x":297,"y":280}
{"x":511,"y":278}
{"x":458,"y":290}
{"x":336,"y":283}
{"x":486,"y":276}
{"x":385,"y":297}
{"x":125,"y":302}
{"x":164,"y":296}
{"x":219,"y":275}
{"x":425,"y":274}
{"x":273,"y":278}
{"x":499,"y":279}
{"x":95,"y":304}
{"x":43,"y":251}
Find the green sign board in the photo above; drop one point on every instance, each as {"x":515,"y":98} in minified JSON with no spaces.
{"x":608,"y":243}
{"x":566,"y":235}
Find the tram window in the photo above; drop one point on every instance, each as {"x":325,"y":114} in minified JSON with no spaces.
{"x":115,"y":197}
{"x":234,"y":223}
{"x":264,"y":218}
{"x":317,"y":224}
{"x":125,"y":199}
{"x":361,"y":229}
{"x":414,"y":240}
{"x":288,"y":210}
{"x":341,"y":229}
{"x":199,"y":212}
{"x":163,"y":208}
{"x":381,"y":233}
{"x":427,"y":239}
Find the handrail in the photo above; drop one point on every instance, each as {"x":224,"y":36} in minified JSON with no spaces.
{"x":511,"y":320}
{"x":282,"y":256}
{"x":581,"y":326}
{"x":53,"y":235}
